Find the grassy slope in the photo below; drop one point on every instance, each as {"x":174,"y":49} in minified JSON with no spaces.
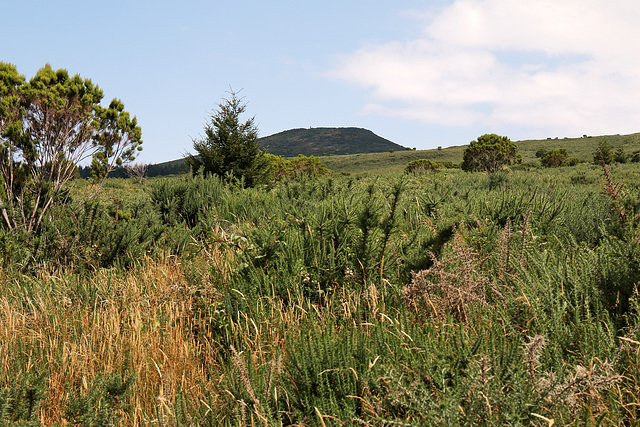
{"x":377,"y":163}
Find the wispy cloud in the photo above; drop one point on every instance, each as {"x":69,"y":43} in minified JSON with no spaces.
{"x":567,"y":67}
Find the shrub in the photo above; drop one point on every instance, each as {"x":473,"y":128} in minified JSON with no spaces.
{"x":574,"y":161}
{"x":298,"y":167}
{"x":603,"y":153}
{"x":421,"y":165}
{"x":555,"y":158}
{"x":490,"y":153}
{"x":620,"y":156}
{"x":541,"y":152}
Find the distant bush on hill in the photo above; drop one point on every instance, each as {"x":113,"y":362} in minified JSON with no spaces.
{"x":421,"y":165}
{"x":298,"y":167}
{"x":555,"y":158}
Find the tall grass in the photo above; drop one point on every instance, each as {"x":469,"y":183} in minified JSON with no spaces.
{"x":450,"y":298}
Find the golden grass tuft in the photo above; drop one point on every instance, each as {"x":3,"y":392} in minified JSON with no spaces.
{"x":138,"y":323}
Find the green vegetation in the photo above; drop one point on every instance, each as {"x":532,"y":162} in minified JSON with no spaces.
{"x":554,"y":158}
{"x":49,"y":125}
{"x":229,"y":147}
{"x":489,"y":153}
{"x":421,"y":165}
{"x":417,"y":299}
{"x":311,"y":298}
{"x":298,"y":167}
{"x":580,"y":149}
{"x":326,"y":141}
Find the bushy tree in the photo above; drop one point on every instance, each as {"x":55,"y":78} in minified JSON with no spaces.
{"x":490,"y":152}
{"x":555,"y":158}
{"x":229,"y":147}
{"x":48,"y":126}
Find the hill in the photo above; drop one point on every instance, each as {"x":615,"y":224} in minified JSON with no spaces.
{"x":326,"y":141}
{"x":385,"y":161}
{"x":376,"y":163}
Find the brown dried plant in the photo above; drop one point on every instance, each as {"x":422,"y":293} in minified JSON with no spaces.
{"x":451,"y":285}
{"x":583,"y":388}
{"x":523,"y":243}
{"x":533,"y":350}
{"x":614,"y":189}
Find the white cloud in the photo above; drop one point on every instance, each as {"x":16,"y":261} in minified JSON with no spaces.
{"x":569,"y":67}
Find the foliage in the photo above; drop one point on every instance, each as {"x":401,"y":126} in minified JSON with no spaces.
{"x":399,"y":299}
{"x":620,"y":156}
{"x":326,"y":142}
{"x":297,"y":167}
{"x":101,"y":404}
{"x":604,"y":153}
{"x":48,"y":126}
{"x":20,"y":402}
{"x":421,"y":165}
{"x":555,"y":158}
{"x":229,"y":147}
{"x":490,"y":153}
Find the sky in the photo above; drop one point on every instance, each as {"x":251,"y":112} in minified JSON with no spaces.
{"x":422,"y":74}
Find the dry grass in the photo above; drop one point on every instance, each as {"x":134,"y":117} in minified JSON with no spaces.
{"x":141,"y":323}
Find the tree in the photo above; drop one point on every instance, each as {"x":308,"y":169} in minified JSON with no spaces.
{"x":48,"y":126}
{"x":489,"y":153}
{"x":230,"y":147}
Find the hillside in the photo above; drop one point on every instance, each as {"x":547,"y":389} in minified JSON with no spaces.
{"x":386,"y":161}
{"x":582,"y":148}
{"x":326,"y":141}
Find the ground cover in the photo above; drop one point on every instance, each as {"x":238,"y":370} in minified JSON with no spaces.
{"x":446,"y":298}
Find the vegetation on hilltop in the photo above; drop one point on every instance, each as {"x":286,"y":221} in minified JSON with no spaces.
{"x":326,"y":141}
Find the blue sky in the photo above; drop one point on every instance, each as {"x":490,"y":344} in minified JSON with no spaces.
{"x":420,"y":73}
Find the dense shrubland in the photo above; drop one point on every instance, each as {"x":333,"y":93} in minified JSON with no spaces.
{"x":418,"y":299}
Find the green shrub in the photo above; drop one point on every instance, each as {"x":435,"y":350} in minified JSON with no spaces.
{"x":573,"y":161}
{"x":102,"y":403}
{"x":490,"y":152}
{"x":554,"y":158}
{"x":603,"y":153}
{"x":421,"y":165}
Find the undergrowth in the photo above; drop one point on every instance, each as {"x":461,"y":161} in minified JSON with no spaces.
{"x":421,"y":299}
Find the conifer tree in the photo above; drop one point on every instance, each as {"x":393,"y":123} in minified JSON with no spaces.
{"x":229,"y":147}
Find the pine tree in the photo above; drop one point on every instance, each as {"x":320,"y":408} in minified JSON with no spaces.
{"x":230,"y":147}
